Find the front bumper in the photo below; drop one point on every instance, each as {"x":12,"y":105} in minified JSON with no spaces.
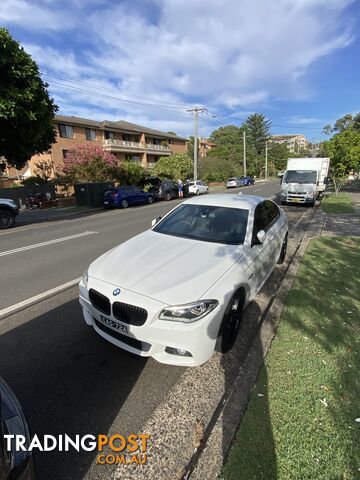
{"x":294,"y":198}
{"x":153,"y":337}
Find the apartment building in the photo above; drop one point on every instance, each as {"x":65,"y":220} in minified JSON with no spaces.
{"x":294,"y":142}
{"x":204,"y":146}
{"x":128,"y":141}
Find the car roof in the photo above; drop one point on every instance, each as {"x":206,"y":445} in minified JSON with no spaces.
{"x":245,"y":202}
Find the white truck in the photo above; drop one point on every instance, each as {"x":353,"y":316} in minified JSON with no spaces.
{"x":304,"y":180}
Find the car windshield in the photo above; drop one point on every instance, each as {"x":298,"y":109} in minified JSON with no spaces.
{"x":206,"y":223}
{"x":231,"y":179}
{"x":300,"y":176}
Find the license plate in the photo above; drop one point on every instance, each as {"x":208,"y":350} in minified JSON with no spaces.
{"x":105,"y":203}
{"x":112,"y":324}
{"x":296,"y":200}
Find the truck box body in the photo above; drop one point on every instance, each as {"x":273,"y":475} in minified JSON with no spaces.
{"x":304,"y":179}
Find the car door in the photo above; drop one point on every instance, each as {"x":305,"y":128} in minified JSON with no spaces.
{"x":261,"y":253}
{"x":274,"y":231}
{"x":139,"y":196}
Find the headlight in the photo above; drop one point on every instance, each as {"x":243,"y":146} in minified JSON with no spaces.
{"x":85,"y":278}
{"x":310,"y":194}
{"x":189,"y":312}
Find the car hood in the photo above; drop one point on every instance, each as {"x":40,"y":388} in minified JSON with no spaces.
{"x":166,"y":268}
{"x":298,"y":187}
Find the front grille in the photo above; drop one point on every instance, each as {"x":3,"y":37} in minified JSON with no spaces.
{"x":129,"y":314}
{"x":99,"y":301}
{"x":132,"y":342}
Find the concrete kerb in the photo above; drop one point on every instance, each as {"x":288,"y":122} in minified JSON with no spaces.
{"x":190,"y":436}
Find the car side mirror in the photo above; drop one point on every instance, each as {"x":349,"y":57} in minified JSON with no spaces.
{"x":261,"y":235}
{"x":155,"y":221}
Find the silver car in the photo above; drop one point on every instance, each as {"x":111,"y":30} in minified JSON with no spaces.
{"x":233,"y":182}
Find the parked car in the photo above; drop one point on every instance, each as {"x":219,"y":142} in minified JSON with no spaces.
{"x":162,"y":189}
{"x":8,"y":211}
{"x":197,"y":187}
{"x":233,"y":182}
{"x":247,"y":181}
{"x":14,"y":465}
{"x":126,"y":196}
{"x":177,"y":291}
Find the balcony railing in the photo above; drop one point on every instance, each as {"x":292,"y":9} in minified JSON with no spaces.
{"x":162,"y":148}
{"x":123,"y":143}
{"x":127,"y":145}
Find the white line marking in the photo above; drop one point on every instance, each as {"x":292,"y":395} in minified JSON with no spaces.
{"x":37,"y":298}
{"x":257,"y":190}
{"x":43,"y":244}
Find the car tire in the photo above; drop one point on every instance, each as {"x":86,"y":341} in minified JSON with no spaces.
{"x":168,"y":196}
{"x":150,"y":200}
{"x":231,"y":322}
{"x":283,"y":250}
{"x":207,"y":190}
{"x":7,"y":219}
{"x":124,"y":204}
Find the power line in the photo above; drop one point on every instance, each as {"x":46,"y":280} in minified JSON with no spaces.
{"x":121,"y":100}
{"x":111,"y":90}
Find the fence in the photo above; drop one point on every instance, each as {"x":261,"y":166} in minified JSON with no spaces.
{"x":19,"y":193}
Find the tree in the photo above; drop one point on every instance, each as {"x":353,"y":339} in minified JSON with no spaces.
{"x":278,"y":154}
{"x":344,"y":152}
{"x":129,"y":173}
{"x":217,"y":169}
{"x":228,"y":150}
{"x":177,"y":166}
{"x":257,"y":131}
{"x":343,"y":123}
{"x":90,"y":163}
{"x":26,"y":111}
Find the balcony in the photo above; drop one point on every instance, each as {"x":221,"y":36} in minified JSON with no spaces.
{"x":123,"y":146}
{"x":127,"y":146}
{"x":158,"y":149}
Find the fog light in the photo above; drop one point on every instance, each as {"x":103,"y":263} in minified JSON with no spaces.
{"x":178,"y":351}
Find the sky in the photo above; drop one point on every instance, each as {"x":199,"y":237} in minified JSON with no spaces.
{"x":149,"y":61}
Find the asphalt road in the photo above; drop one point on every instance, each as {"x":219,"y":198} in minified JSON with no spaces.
{"x":68,"y":379}
{"x":77,"y":242}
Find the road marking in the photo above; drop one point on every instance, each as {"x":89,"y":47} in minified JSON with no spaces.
{"x":37,"y":298}
{"x":257,"y":190}
{"x":43,"y":244}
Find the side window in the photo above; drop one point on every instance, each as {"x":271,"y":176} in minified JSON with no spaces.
{"x":259,"y":220}
{"x":271,"y":212}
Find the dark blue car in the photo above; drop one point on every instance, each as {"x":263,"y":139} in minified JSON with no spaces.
{"x":125,"y":196}
{"x":246,"y":181}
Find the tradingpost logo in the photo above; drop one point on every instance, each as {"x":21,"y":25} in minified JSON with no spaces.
{"x":130,"y":449}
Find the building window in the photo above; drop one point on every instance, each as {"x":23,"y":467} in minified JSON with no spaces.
{"x":64,"y":153}
{"x":132,"y":158}
{"x":66,"y":131}
{"x":109,"y":135}
{"x":90,"y":134}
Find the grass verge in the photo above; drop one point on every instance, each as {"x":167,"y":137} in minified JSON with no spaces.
{"x":340,"y":203}
{"x":301,"y":419}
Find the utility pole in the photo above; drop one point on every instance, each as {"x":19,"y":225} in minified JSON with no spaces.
{"x":196,"y":111}
{"x":244,"y":146}
{"x":266,"y":159}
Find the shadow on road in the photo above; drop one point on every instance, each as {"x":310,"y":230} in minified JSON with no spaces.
{"x":68,"y":380}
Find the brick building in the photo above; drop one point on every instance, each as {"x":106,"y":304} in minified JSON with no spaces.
{"x":294,"y":142}
{"x":128,"y":141}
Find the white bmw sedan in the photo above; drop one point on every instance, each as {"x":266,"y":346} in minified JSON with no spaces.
{"x":177,"y":291}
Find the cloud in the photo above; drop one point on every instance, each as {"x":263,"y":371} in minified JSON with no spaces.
{"x":299,"y":120}
{"x":229,"y":55}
